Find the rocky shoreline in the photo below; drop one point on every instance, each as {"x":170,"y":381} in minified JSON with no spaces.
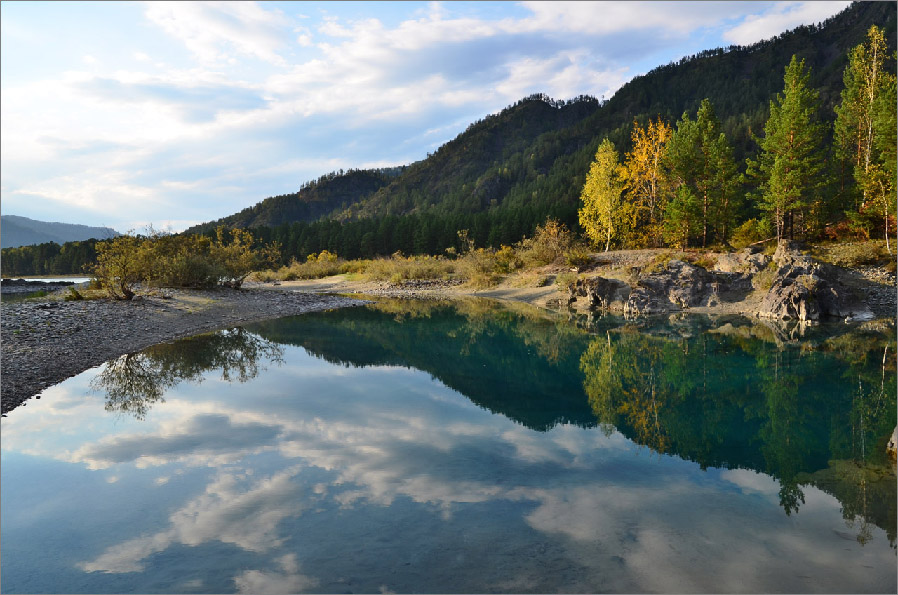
{"x":44,"y":342}
{"x":787,"y":286}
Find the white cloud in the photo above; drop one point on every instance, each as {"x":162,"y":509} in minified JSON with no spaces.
{"x":781,"y":17}
{"x":289,"y":580}
{"x":264,"y":98}
{"x":600,"y":18}
{"x":216,"y":31}
{"x":233,"y":509}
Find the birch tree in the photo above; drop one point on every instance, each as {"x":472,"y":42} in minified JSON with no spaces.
{"x":604,"y":214}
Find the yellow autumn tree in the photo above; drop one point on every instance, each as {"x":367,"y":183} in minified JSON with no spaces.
{"x":647,"y":181}
{"x":605,"y":215}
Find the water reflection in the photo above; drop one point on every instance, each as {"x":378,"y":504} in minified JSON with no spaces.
{"x":727,"y":394}
{"x":457,"y":448}
{"x":727,"y":400}
{"x":134,"y":382}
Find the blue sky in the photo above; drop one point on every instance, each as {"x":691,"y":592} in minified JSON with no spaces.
{"x":127,"y":113}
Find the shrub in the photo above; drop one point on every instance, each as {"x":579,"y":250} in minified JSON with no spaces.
{"x":398,"y":268}
{"x":550,"y":241}
{"x":120,"y":265}
{"x":578,"y":256}
{"x":507,"y":259}
{"x":234,"y":256}
{"x":564,"y":280}
{"x":750,"y":232}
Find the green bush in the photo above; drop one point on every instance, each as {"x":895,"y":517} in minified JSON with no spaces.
{"x":564,"y":280}
{"x":750,"y":232}
{"x":578,"y":256}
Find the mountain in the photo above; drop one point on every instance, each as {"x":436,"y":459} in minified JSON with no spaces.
{"x":18,"y":231}
{"x":509,"y":171}
{"x":316,"y":199}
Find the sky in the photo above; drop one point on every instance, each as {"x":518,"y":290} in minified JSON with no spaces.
{"x":129,"y":114}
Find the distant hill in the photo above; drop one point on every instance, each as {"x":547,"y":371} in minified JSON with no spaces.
{"x":331,"y":192}
{"x":18,"y":231}
{"x":507,"y":172}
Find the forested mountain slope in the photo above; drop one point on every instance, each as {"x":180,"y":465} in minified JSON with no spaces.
{"x":330,"y":192}
{"x":508,"y":172}
{"x":500,"y":161}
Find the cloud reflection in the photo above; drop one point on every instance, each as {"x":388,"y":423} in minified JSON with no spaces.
{"x":347,"y":445}
{"x":233,"y":509}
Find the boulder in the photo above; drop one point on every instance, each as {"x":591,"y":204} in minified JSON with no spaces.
{"x":678,"y":286}
{"x":641,"y":303}
{"x":747,"y":261}
{"x":789,"y":299}
{"x":806,"y":290}
{"x":788,"y":253}
{"x":600,"y":292}
{"x":756,"y":262}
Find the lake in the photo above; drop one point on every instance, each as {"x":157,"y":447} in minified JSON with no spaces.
{"x":425,"y":446}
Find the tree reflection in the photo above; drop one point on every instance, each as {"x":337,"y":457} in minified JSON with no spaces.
{"x":621,"y":378}
{"x":734,"y":401}
{"x":134,"y":382}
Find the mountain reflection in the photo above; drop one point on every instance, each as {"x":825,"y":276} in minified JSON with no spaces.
{"x":727,"y":396}
{"x":134,"y":382}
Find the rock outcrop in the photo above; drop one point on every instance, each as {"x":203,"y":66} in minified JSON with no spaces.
{"x":600,"y":293}
{"x":789,"y":286}
{"x":678,"y":286}
{"x":806,"y":290}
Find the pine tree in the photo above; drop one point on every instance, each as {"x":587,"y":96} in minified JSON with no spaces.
{"x":604,"y":215}
{"x":790,"y":167}
{"x":683,"y":161}
{"x":703,"y":175}
{"x":717,"y":174}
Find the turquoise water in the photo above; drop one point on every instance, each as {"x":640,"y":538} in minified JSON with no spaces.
{"x":468,"y":447}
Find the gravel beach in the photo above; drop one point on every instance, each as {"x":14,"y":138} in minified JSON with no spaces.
{"x":44,"y":342}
